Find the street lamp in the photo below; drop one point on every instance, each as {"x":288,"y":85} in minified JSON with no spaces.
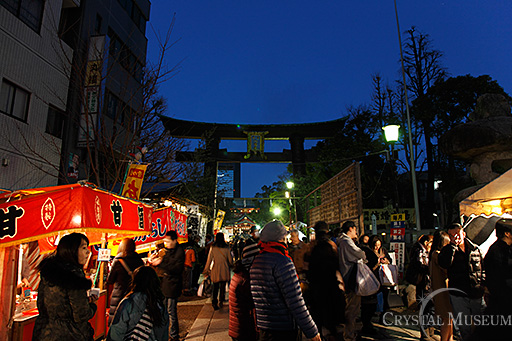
{"x":411,"y":147}
{"x":391,"y":133}
{"x":290,"y":185}
{"x":277,"y":212}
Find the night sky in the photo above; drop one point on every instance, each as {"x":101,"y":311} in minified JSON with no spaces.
{"x":285,"y":61}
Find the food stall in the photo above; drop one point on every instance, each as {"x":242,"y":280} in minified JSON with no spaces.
{"x":46,"y":214}
{"x":480,"y":210}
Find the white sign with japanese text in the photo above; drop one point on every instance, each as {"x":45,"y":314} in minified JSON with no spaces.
{"x":104,"y":255}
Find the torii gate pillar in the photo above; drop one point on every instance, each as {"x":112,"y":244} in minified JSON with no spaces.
{"x":298,"y":155}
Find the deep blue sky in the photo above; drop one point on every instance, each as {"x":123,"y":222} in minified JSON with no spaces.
{"x":283,"y":61}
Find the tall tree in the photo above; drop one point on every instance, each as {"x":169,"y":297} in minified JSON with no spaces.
{"x":423,"y":68}
{"x":446,"y":104}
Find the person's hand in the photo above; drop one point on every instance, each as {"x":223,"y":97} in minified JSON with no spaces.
{"x":317,"y":337}
{"x":155,"y":260}
{"x":341,"y":283}
{"x":24,"y":282}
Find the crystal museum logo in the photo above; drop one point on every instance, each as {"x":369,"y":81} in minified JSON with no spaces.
{"x":425,"y":318}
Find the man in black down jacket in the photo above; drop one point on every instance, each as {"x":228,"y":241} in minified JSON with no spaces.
{"x":275,"y":289}
{"x":463,"y":261}
{"x":498,"y":273}
{"x":172,"y":265}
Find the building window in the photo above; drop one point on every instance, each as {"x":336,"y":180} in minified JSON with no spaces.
{"x":14,"y":101}
{"x":55,"y":122}
{"x":112,"y":103}
{"x":135,"y":14}
{"x":97,"y":24}
{"x":124,"y":56}
{"x":28,"y":11}
{"x":138,"y":19}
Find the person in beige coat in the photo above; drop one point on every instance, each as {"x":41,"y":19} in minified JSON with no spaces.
{"x":439,"y":280}
{"x":217,"y":267}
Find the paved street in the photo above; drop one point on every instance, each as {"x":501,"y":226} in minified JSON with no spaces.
{"x":198,"y":321}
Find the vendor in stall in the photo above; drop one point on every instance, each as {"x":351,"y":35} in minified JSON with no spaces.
{"x":63,"y":303}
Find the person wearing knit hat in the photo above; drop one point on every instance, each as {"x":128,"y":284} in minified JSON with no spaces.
{"x":275,"y":289}
{"x":273,"y":231}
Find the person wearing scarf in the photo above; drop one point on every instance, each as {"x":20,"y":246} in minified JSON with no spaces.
{"x":280,"y":307}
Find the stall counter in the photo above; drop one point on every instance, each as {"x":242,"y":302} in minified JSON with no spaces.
{"x":23,"y":323}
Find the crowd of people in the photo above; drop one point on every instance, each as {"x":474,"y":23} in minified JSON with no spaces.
{"x":466,"y":289}
{"x":282,"y":287}
{"x":319,"y":296}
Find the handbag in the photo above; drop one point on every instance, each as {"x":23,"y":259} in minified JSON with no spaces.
{"x":142,"y":330}
{"x":388,"y":274}
{"x":205,"y":288}
{"x":366,"y":282}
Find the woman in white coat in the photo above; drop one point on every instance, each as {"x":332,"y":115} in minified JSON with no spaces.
{"x":220,"y":257}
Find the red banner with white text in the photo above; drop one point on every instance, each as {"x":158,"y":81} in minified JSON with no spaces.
{"x":164,"y":220}
{"x":45,"y":214}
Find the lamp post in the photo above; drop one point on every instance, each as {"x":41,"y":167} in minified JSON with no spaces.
{"x":391,"y":133}
{"x":413,"y":164}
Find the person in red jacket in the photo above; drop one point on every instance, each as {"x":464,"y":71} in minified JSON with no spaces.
{"x":190,"y":259}
{"x":242,"y":318}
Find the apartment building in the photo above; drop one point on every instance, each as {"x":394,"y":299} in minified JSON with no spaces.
{"x":71,"y":74}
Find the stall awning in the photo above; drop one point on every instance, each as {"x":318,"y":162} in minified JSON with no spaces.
{"x":494,"y":199}
{"x":44,"y":214}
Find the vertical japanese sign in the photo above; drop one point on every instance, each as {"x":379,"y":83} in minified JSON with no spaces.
{"x":134,"y":179}
{"x":92,"y":91}
{"x":217,"y":224}
{"x":399,"y":248}
{"x":397,"y":243}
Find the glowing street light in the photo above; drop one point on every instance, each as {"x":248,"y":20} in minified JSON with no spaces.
{"x":288,"y":195}
{"x":391,"y":132}
{"x":277,"y":211}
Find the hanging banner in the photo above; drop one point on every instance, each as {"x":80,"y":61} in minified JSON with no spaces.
{"x":217,"y":224}
{"x":45,"y":214}
{"x":164,"y":220}
{"x":134,"y":179}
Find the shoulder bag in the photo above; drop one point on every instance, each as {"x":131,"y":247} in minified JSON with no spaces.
{"x":388,"y":274}
{"x":366,"y":282}
{"x":142,"y":330}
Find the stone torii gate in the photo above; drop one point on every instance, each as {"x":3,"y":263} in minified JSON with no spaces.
{"x":255,"y":134}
